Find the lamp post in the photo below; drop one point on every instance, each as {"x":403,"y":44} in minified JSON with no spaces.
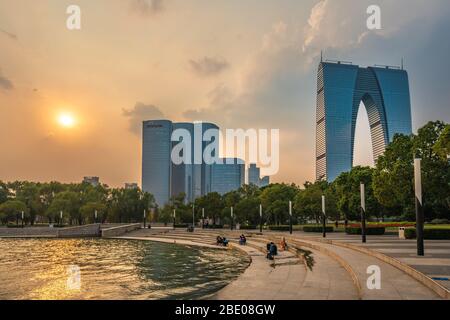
{"x":174,"y":217}
{"x":290,"y":217}
{"x":232,"y":218}
{"x":203,"y":218}
{"x":145,"y":218}
{"x":363,"y":213}
{"x":419,"y":208}
{"x":95,"y":216}
{"x":260,"y":218}
{"x":23,"y":216}
{"x":60,"y":218}
{"x":193,"y":216}
{"x":324,"y":218}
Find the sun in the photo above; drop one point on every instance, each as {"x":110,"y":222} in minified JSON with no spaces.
{"x":66,"y":120}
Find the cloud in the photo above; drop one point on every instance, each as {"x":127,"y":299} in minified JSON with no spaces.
{"x":208,"y":66}
{"x":139,"y":113}
{"x":9,"y":34}
{"x":147,"y":7}
{"x":5,"y":83}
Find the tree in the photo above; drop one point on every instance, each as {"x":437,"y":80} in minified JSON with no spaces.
{"x":4,"y":192}
{"x":88,"y":210}
{"x":442,"y":145}
{"x":12,"y":210}
{"x":308,"y":202}
{"x":275,"y":201}
{"x":29,"y":193}
{"x":213,"y":205}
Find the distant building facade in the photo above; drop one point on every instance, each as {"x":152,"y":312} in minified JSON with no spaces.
{"x":340,"y":89}
{"x":93,"y":181}
{"x":254,"y":176}
{"x":227,"y":175}
{"x":165,"y":179}
{"x":131,"y":185}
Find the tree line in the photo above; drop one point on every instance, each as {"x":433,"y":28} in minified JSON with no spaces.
{"x":389,"y":193}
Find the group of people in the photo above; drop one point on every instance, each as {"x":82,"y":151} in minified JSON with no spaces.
{"x":222,"y":241}
{"x":272,"y":249}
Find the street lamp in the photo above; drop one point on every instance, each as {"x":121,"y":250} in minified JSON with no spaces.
{"x":193,"y":216}
{"x":324,"y":218}
{"x":174,"y":217}
{"x":419,"y":208}
{"x":145,"y":218}
{"x":203,"y":218}
{"x":60,"y":218}
{"x":23,"y":216}
{"x":232,"y":218}
{"x":290,"y":217}
{"x":363,"y":213}
{"x":260,"y":218}
{"x":95,"y":216}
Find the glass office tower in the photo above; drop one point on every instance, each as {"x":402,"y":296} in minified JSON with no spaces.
{"x":182,"y":174}
{"x":340,"y":90}
{"x":156,"y":162}
{"x":227,"y":175}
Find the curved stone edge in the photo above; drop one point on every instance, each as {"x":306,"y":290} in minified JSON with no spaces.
{"x":419,"y":276}
{"x":334,"y":256}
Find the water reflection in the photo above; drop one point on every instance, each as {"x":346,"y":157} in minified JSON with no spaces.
{"x":113,"y":269}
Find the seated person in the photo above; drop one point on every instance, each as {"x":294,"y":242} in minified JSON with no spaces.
{"x":242,"y":240}
{"x":283,"y":244}
{"x":219,"y":240}
{"x":225,"y":242}
{"x":273,"y":249}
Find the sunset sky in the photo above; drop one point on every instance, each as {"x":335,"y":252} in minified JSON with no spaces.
{"x":72,"y":102}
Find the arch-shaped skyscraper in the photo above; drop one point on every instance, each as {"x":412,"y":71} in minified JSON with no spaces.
{"x":340,"y":89}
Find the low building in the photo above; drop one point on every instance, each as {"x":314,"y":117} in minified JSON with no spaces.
{"x":93,"y":181}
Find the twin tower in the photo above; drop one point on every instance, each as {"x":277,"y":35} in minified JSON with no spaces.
{"x":340,"y":89}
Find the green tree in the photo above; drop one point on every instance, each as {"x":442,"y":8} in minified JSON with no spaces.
{"x":12,"y":210}
{"x":275,"y":201}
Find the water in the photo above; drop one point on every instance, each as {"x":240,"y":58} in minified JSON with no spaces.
{"x":113,"y":269}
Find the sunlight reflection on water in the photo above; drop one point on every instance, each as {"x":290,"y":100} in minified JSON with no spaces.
{"x":113,"y":269}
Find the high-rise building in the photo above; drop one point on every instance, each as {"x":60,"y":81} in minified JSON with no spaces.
{"x":162,"y":177}
{"x":93,"y":181}
{"x":182,"y":174}
{"x":227,"y":175}
{"x":156,"y":160}
{"x":131,"y":185}
{"x":340,"y":89}
{"x":254,"y":176}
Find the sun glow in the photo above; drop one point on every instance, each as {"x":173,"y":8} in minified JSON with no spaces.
{"x":66,"y":120}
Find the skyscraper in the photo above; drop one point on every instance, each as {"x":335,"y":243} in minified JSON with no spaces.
{"x":340,"y":89}
{"x":182,"y":174}
{"x":227,"y":175}
{"x":156,"y":161}
{"x":253,"y":174}
{"x":160,"y":175}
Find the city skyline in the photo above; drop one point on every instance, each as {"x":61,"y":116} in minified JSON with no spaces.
{"x":74,"y":109}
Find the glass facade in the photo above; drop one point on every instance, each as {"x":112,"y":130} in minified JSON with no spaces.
{"x":340,"y":90}
{"x":156,"y":162}
{"x":227,"y":175}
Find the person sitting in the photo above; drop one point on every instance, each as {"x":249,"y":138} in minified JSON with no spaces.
{"x":225,"y":242}
{"x":283,"y":244}
{"x":219,"y":240}
{"x":270,"y":250}
{"x":273,"y":249}
{"x":242,"y":240}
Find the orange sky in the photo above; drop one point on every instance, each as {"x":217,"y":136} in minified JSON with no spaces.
{"x":240,"y":64}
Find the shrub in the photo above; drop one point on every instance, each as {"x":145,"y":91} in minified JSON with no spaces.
{"x":212,"y":226}
{"x":429,"y":234}
{"x":440,"y":221}
{"x":278,"y":228}
{"x":317,"y":228}
{"x":182,"y":225}
{"x":248,"y":227}
{"x":13,"y":225}
{"x":373,"y":231}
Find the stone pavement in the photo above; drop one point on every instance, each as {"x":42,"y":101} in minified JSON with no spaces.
{"x":435,"y":264}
